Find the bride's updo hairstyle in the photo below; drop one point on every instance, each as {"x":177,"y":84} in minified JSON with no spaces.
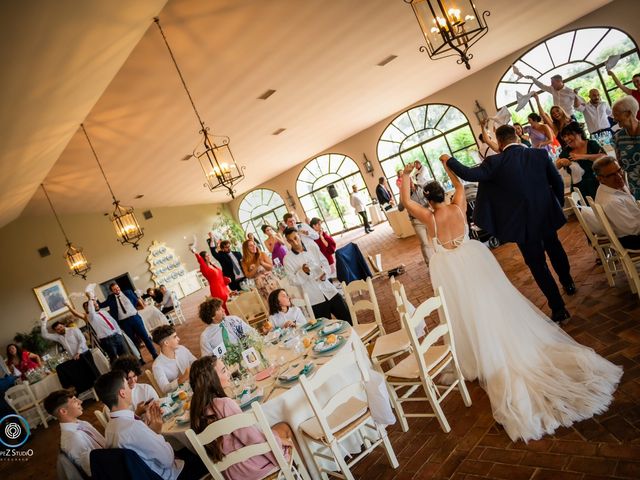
{"x":434,"y":192}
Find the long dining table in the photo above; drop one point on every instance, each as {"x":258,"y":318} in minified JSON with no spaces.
{"x":286,"y":402}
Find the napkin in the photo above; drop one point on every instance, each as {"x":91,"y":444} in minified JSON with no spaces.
{"x":611,"y":62}
{"x":522,"y":100}
{"x":502,"y":117}
{"x":517,"y":71}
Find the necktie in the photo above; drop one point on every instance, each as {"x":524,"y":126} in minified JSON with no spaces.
{"x":236,"y":268}
{"x":225,"y":335}
{"x":88,"y":431}
{"x":124,"y":310}
{"x":105,"y":319}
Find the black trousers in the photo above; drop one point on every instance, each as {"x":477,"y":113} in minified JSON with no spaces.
{"x":193,"y":466}
{"x":134,"y":327}
{"x":535,"y":258}
{"x":235,"y":284}
{"x":631,"y":242}
{"x":113,"y":345}
{"x":80,"y":374}
{"x":335,"y":305}
{"x":365,"y":220}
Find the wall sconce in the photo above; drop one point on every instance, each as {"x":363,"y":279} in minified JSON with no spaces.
{"x":368,"y":166}
{"x":481,"y":113}
{"x":292,"y":202}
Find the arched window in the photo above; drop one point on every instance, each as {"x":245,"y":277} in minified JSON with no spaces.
{"x":259,"y":207}
{"x":424,"y":133}
{"x":324,"y":187}
{"x":579,"y":56}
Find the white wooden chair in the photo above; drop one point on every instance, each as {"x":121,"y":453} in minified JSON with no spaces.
{"x":23,"y":401}
{"x":154,"y":384}
{"x":305,"y":305}
{"x":630,"y":259}
{"x":340,"y":416}
{"x":425,"y":363}
{"x":176,"y":316}
{"x":366,"y":331}
{"x":254,"y":417}
{"x":249,"y":306}
{"x":600,"y":242}
{"x":103,"y":416}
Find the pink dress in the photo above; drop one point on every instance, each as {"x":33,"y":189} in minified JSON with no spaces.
{"x":254,"y":468}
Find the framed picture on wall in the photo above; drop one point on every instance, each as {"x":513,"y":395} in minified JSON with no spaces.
{"x":52,"y":297}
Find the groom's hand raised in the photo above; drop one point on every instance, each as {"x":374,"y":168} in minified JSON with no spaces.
{"x":444,"y":158}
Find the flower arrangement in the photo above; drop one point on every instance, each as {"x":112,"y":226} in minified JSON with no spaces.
{"x":234,"y":352}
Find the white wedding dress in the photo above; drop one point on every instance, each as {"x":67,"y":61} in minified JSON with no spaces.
{"x":536,"y":376}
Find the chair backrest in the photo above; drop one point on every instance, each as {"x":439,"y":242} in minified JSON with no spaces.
{"x":586,"y":217}
{"x":20,"y":397}
{"x":67,"y":469}
{"x":174,"y":299}
{"x":253,"y":418}
{"x":357,"y":287}
{"x":122,"y":463}
{"x":152,"y":381}
{"x":328,"y":373}
{"x":103,"y":416}
{"x":305,"y":305}
{"x":606,"y":225}
{"x":577,"y":196}
{"x":404,"y":306}
{"x":250,"y":304}
{"x":442,"y":330}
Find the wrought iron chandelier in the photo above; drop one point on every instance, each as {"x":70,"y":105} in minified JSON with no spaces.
{"x":76,"y":261}
{"x":123,"y":219}
{"x":449,"y":30}
{"x":214,"y":155}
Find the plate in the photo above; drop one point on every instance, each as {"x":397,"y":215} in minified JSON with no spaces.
{"x":264,"y":374}
{"x":318,"y":324}
{"x":247,"y":404}
{"x":322,"y":350}
{"x":308,"y":368}
{"x":341,"y":325}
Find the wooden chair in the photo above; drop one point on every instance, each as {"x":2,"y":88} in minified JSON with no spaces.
{"x":630,"y":259}
{"x":425,"y":363}
{"x":600,"y":242}
{"x":305,"y":305}
{"x":249,"y":306}
{"x":366,"y":331}
{"x":103,"y":416}
{"x":176,"y":316}
{"x":154,"y":384}
{"x":342,"y":415}
{"x":23,"y":401}
{"x":226,"y":426}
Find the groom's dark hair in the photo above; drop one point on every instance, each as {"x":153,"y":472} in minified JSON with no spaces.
{"x":506,"y":134}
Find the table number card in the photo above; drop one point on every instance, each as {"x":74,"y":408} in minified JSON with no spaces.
{"x":219,"y":350}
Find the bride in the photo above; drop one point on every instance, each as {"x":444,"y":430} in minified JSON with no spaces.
{"x":536,"y":376}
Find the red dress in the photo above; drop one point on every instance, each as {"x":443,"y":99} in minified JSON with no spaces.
{"x":217,"y":281}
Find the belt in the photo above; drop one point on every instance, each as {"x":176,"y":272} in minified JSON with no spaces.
{"x":109,"y":336}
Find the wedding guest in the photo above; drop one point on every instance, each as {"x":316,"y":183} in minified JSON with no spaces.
{"x":21,"y":360}
{"x":358,"y":205}
{"x":326,"y":244}
{"x":578,"y":150}
{"x":307,"y":268}
{"x":488,"y":145}
{"x":627,"y":141}
{"x":384,"y":195}
{"x":217,"y":281}
{"x":107,"y":330}
{"x":276,"y":243}
{"x":123,"y":307}
{"x":307,"y":234}
{"x":209,"y":378}
{"x":142,"y":394}
{"x":252,"y":237}
{"x":230,"y":262}
{"x":258,"y":266}
{"x":635,"y":93}
{"x":166,"y":300}
{"x":77,"y":437}
{"x":621,"y":209}
{"x":124,"y":430}
{"x":171,"y":367}
{"x":563,"y":96}
{"x":281,"y":313}
{"x":399,"y":177}
{"x":222,"y":329}
{"x":540,"y":134}
{"x":557,"y":119}
{"x":426,"y":248}
{"x":71,"y":338}
{"x":596,"y":113}
{"x":524,"y":137}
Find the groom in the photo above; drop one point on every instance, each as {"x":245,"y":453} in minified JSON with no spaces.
{"x":519,"y":200}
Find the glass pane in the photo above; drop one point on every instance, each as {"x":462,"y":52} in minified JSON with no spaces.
{"x":387,"y":149}
{"x":325,"y":180}
{"x":393,"y":134}
{"x":586,"y":39}
{"x":418,"y":116}
{"x":323,"y":163}
{"x":461,"y":138}
{"x":335,"y":160}
{"x":614,"y":42}
{"x":414,"y":155}
{"x":434,"y":113}
{"x":404,"y":124}
{"x":526,"y":70}
{"x":419,"y":137}
{"x":539,"y":58}
{"x":560,"y":46}
{"x":303,"y":188}
{"x":306,"y":176}
{"x":307,"y":203}
{"x":314,"y":168}
{"x":451,"y":119}
{"x":348,"y":167}
{"x":391,"y":166}
{"x":467,"y":158}
{"x":506,"y":92}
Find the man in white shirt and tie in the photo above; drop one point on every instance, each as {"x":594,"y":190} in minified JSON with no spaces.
{"x":596,"y":113}
{"x":77,"y":437}
{"x":125,"y":430}
{"x":171,"y":367}
{"x":358,"y":205}
{"x":563,"y":96}
{"x":222,"y":329}
{"x":620,"y":207}
{"x":309,"y":269}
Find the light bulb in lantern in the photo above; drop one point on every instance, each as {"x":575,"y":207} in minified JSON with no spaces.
{"x":454,"y":14}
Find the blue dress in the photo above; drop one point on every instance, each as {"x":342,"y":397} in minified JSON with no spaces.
{"x":628,"y":153}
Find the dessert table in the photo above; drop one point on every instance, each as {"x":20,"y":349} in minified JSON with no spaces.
{"x":286,"y":402}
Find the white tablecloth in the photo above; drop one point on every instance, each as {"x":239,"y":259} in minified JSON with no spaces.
{"x":44,"y":387}
{"x":400,"y":223}
{"x":152,"y":317}
{"x":291,"y":405}
{"x":375,"y":214}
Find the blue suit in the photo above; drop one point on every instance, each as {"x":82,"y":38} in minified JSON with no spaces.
{"x":133,"y":326}
{"x":520,"y":194}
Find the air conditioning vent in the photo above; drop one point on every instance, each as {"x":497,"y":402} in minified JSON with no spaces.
{"x":266,"y":94}
{"x":387,"y":60}
{"x":44,"y":252}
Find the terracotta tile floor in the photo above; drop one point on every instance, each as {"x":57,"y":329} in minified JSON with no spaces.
{"x":608,"y":446}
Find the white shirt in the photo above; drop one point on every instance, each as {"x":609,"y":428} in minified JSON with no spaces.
{"x":356,"y":202}
{"x":142,"y":392}
{"x":211,"y":336}
{"x":419,"y":177}
{"x":167,"y":299}
{"x":72,"y":341}
{"x":595,"y":116}
{"x":563,"y":98}
{"x":77,"y":440}
{"x":621,"y":209}
{"x":486,"y":151}
{"x":294,"y":314}
{"x":129,"y":308}
{"x":99,"y":324}
{"x":306,"y":232}
{"x":124,"y":431}
{"x":167,"y":370}
{"x":318,"y":290}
